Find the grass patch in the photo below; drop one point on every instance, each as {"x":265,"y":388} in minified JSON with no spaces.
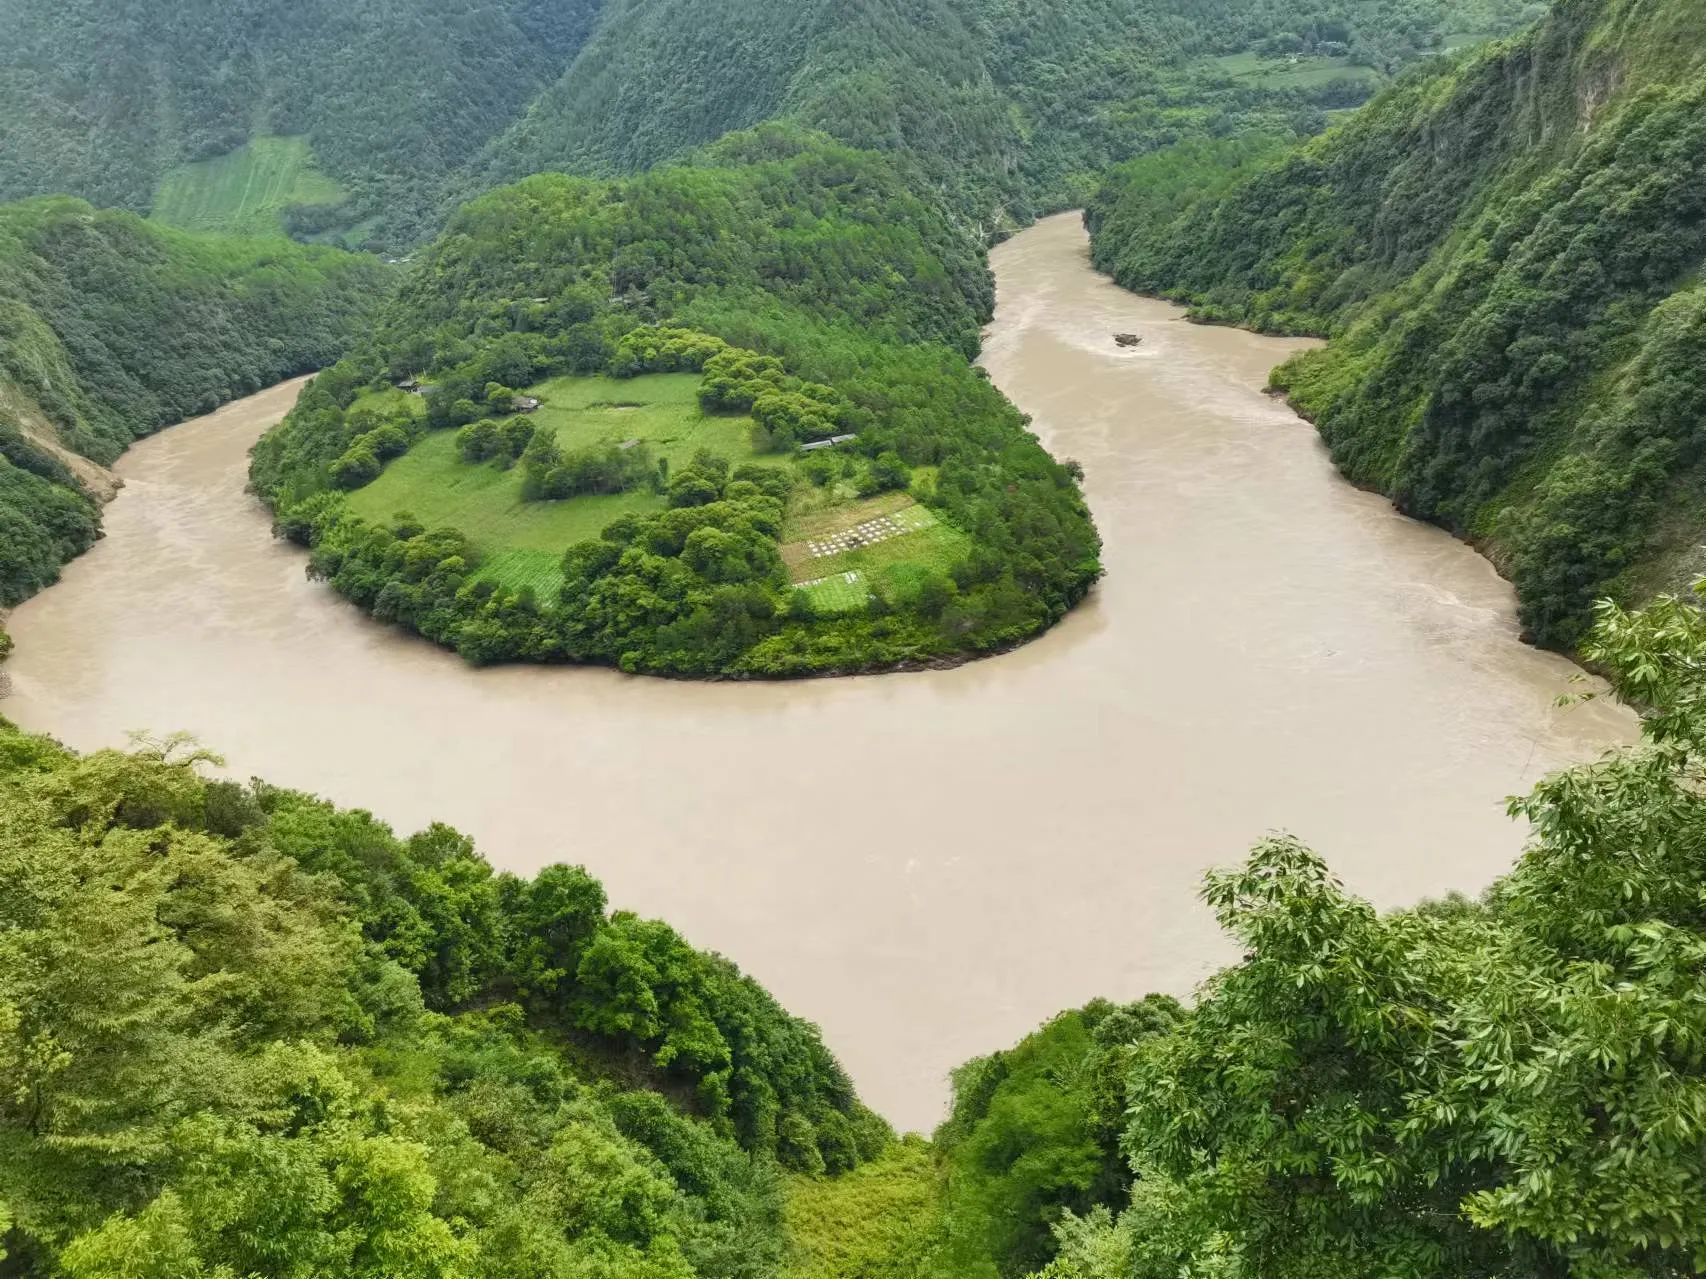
{"x":660,"y":408}
{"x":879,"y":1221}
{"x":517,"y":540}
{"x":842,"y":593}
{"x":842,"y":582}
{"x":245,"y":191}
{"x":520,"y":566}
{"x":522,"y":543}
{"x":387,"y":400}
{"x":816,"y":512}
{"x":1288,"y":72}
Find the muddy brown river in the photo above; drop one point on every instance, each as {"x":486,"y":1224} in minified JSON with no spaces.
{"x":927,"y":865}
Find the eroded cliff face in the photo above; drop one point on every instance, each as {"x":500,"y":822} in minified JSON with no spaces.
{"x":18,"y":412}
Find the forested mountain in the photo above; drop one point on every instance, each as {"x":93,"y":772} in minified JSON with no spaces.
{"x":1007,"y":106}
{"x":104,"y":101}
{"x":114,"y":327}
{"x":245,"y":1032}
{"x":1504,"y":251}
{"x":816,"y":300}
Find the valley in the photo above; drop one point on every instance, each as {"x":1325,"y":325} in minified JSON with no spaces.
{"x":631,"y":659}
{"x":1271,"y":648}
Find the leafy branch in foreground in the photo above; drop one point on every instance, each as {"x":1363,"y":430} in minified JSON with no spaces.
{"x":1509,"y":1087}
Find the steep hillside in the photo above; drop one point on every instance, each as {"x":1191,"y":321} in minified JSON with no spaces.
{"x":1006,"y":106}
{"x":246,"y":1032}
{"x":1504,"y":252}
{"x":906,"y":76}
{"x":106,"y":102}
{"x":367,"y":121}
{"x":116,"y":327}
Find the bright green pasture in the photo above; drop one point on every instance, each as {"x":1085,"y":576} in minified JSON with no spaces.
{"x":838,"y":594}
{"x":244,"y":191}
{"x":432,"y":483}
{"x":660,"y":408}
{"x":519,"y":567}
{"x":1291,"y":72}
{"x":522,"y":543}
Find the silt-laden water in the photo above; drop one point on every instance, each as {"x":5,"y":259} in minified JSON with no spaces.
{"x":927,"y":865}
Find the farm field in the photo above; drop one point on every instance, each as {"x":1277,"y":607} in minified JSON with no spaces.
{"x":912,"y":541}
{"x":660,"y":408}
{"x":840,"y":593}
{"x":937,"y":546}
{"x":522,"y":540}
{"x":1290,"y":72}
{"x":816,"y":512}
{"x":245,"y":191}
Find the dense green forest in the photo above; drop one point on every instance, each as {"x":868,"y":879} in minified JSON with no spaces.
{"x":114,"y":327}
{"x":1008,"y":107}
{"x":107,"y":103}
{"x":245,"y":1032}
{"x":1504,"y":252}
{"x":206,"y":113}
{"x":816,"y":297}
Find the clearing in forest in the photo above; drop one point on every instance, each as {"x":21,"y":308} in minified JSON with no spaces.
{"x":1299,"y":71}
{"x":838,"y":543}
{"x":522,"y":543}
{"x":839,"y":593}
{"x":245,"y":191}
{"x":660,"y":408}
{"x":836,"y":552}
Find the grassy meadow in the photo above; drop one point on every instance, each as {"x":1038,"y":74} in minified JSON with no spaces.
{"x":245,"y":191}
{"x":660,"y":408}
{"x":522,"y":543}
{"x":877,"y":1222}
{"x":1287,"y":72}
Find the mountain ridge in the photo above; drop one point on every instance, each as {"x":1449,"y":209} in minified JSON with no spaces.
{"x":1502,"y":251}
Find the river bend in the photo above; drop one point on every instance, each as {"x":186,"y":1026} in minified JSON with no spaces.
{"x":928,"y":864}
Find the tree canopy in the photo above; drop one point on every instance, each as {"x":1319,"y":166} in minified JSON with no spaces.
{"x":1509,"y":1086}
{"x":393,"y":98}
{"x":809,"y":286}
{"x":246,"y":1032}
{"x":1008,"y":107}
